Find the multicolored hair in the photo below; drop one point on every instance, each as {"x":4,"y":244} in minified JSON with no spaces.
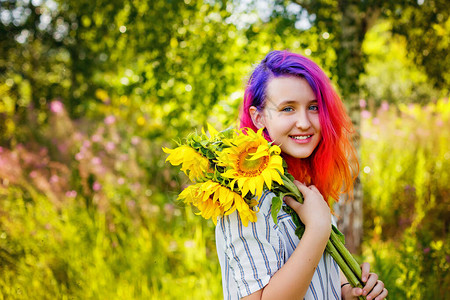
{"x":333,"y":165}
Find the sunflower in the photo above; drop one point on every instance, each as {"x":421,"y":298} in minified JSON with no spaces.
{"x":191,"y":161}
{"x":214,"y":200}
{"x":251,"y":161}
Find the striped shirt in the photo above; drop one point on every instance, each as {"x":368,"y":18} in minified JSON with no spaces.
{"x":250,"y":256}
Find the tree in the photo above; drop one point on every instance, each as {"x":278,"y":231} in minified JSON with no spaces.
{"x":426,"y":28}
{"x":163,"y":55}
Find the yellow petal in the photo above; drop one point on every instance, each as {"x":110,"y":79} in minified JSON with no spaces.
{"x":252,"y":186}
{"x":267,"y":178}
{"x":259,"y":186}
{"x":260,"y":152}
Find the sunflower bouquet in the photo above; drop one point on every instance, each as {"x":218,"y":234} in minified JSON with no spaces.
{"x":229,"y":171}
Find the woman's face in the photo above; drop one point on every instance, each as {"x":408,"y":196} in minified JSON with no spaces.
{"x":290,"y":115}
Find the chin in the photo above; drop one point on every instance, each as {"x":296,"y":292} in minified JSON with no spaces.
{"x":298,"y":154}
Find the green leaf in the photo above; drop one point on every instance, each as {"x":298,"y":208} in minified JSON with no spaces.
{"x":299,"y":231}
{"x":276,"y":206}
{"x":210,"y":155}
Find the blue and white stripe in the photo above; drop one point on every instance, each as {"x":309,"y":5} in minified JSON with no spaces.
{"x":250,"y":256}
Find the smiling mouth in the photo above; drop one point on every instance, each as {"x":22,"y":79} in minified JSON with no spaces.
{"x":300,"y":137}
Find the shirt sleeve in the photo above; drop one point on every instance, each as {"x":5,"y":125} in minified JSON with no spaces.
{"x":253,"y":253}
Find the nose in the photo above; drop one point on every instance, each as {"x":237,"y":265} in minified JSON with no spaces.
{"x":303,"y":121}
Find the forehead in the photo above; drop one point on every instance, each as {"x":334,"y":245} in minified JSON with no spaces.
{"x":289,"y":88}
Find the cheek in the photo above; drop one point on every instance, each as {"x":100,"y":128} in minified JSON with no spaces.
{"x":316,"y":122}
{"x":278,"y":128}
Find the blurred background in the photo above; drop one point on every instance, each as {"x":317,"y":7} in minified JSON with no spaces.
{"x":91,"y":90}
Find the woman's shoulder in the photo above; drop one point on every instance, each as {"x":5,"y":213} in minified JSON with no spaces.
{"x":265,"y":201}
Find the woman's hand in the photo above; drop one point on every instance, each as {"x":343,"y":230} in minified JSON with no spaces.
{"x":373,"y":289}
{"x":314,"y":212}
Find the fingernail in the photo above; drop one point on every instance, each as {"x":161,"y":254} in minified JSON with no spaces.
{"x":364,"y":279}
{"x":364,"y":292}
{"x":368,"y":297}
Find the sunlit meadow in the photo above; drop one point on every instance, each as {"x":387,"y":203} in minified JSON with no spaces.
{"x":88,"y":210}
{"x":406,"y":175}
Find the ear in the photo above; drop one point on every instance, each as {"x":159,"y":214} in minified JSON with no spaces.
{"x":257,"y":117}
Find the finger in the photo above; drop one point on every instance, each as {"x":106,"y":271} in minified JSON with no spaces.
{"x":356,"y":292}
{"x":302,"y":188}
{"x":371,"y":284}
{"x":291,"y":202}
{"x":365,"y":268}
{"x":383,"y":295}
{"x":377,"y":290}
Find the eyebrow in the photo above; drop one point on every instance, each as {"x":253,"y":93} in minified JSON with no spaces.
{"x":284,"y":102}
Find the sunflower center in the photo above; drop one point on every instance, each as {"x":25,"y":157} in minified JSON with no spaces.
{"x":251,"y":167}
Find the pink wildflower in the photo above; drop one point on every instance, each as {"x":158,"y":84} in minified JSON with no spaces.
{"x":71,"y":194}
{"x":96,"y":138}
{"x":86,"y":144}
{"x":78,"y":136}
{"x":365,"y":114}
{"x":385,"y":106}
{"x":96,"y":186}
{"x":110,"y":146}
{"x":56,"y":107}
{"x":96,"y":161}
{"x":135,"y":140}
{"x":62,"y":148}
{"x":362,"y":103}
{"x":110,"y":120}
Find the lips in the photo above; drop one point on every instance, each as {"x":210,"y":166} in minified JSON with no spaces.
{"x":300,"y":137}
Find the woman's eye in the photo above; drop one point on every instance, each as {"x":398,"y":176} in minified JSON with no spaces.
{"x":287,"y":109}
{"x":314,"y":107}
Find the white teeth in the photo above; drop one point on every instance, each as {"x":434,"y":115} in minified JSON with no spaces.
{"x":301,"y":137}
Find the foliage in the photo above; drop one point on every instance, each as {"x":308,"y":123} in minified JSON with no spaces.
{"x":116,"y":53}
{"x":87,"y":221}
{"x":428,"y":42}
{"x":406,"y":163}
{"x":87,"y":207}
{"x":390,"y":75}
{"x":102,"y":229}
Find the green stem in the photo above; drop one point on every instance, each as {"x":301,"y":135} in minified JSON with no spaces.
{"x":292,"y":188}
{"x":349,"y":259}
{"x":342,"y":263}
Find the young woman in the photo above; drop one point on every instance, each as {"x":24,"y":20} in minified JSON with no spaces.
{"x":292,"y":99}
